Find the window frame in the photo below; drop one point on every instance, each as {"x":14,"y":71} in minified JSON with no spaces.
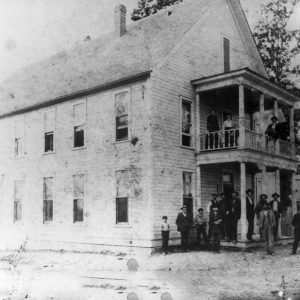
{"x":226,"y":65}
{"x":185,"y":196}
{"x":79,"y":223}
{"x":45,"y":135}
{"x":191,"y":135}
{"x":15,"y":220}
{"x":21,"y":137}
{"x":44,"y":200}
{"x":84,"y":125}
{"x":121,"y":91}
{"x":47,"y":131}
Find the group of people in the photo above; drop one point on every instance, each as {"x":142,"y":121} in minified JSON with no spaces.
{"x":229,"y":138}
{"x":224,"y":214}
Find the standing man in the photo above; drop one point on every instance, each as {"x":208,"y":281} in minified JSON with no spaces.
{"x":234,"y":215}
{"x":200,"y":227}
{"x":296,"y":224}
{"x":212,"y":203}
{"x":276,"y":207}
{"x":212,"y":128}
{"x":267,"y":225}
{"x":259,"y":207}
{"x":215,"y":219}
{"x":273,"y":129}
{"x":183,"y":226}
{"x":223,"y":208}
{"x":250,"y":213}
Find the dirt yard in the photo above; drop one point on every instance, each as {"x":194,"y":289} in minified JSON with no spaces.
{"x":177,"y":276}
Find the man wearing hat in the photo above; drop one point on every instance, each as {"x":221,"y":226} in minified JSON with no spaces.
{"x":276,"y":207}
{"x":273,"y":129}
{"x":183,"y":226}
{"x":267,"y":225}
{"x":250,"y":213}
{"x":234,"y":214}
{"x":212,"y":203}
{"x":259,"y":207}
{"x":296,"y":224}
{"x":215,"y":221}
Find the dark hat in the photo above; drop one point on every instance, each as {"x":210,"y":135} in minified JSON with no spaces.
{"x":274,"y":117}
{"x":183,"y":207}
{"x":200,"y":209}
{"x":263,"y":195}
{"x":165,"y":217}
{"x":249,"y":190}
{"x":214,"y":194}
{"x":275,"y":194}
{"x":235,"y":192}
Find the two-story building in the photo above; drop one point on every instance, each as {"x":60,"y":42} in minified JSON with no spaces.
{"x":100,"y":141}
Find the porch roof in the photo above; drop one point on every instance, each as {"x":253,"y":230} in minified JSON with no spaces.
{"x":249,"y":79}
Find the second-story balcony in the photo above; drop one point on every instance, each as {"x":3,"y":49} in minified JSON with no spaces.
{"x":230,"y":139}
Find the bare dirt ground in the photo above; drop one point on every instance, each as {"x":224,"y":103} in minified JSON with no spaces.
{"x":182,"y":276}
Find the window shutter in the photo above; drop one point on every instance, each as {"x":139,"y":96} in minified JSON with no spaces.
{"x":226,"y":49}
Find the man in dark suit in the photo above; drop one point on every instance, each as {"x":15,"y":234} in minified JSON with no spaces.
{"x":296,"y":224}
{"x":234,"y":215}
{"x":212,"y":203}
{"x":276,"y":207}
{"x":250,"y":213}
{"x":183,"y":226}
{"x":213,"y":126}
{"x":215,"y":221}
{"x":273,"y":129}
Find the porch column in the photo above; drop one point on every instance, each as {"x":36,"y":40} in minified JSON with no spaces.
{"x":293,"y":189}
{"x":242,"y":132}
{"x":262,"y":113}
{"x":263,"y":178}
{"x":198,"y":202}
{"x":277,"y":190}
{"x":243,"y":201}
{"x":292,"y":129}
{"x":197,"y":125}
{"x":275,"y":110}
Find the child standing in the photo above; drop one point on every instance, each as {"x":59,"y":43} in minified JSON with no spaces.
{"x":165,"y":230}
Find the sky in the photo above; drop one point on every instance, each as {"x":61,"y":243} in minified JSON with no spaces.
{"x":31,"y":30}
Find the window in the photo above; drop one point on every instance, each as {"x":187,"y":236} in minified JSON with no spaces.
{"x":19,"y":136}
{"x":78,"y":199}
{"x":18,"y":197}
{"x":49,"y":142}
{"x":187,"y":193}
{"x":48,"y":199}
{"x":186,"y":135}
{"x":123,"y":188}
{"x":121,"y":112}
{"x":79,"y":113}
{"x":49,"y":128}
{"x":226,"y":54}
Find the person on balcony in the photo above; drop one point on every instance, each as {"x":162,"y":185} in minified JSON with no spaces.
{"x":273,"y":129}
{"x":266,"y":226}
{"x":212,"y":128}
{"x":229,"y":131}
{"x":276,"y":208}
{"x":250,"y":213}
{"x":234,"y":214}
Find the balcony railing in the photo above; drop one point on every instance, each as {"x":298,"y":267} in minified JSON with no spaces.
{"x":229,"y":139}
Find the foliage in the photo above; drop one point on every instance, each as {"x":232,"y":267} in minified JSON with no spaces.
{"x":277,"y":44}
{"x":148,"y":7}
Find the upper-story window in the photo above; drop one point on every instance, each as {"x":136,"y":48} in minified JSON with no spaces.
{"x":49,"y":129}
{"x":226,"y":54}
{"x":186,"y":119}
{"x":121,"y":113}
{"x":78,"y":197}
{"x":18,"y":199}
{"x":123,"y":187}
{"x":79,"y":118}
{"x":19,"y":136}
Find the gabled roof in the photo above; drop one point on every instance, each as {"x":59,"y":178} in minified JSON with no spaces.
{"x":103,"y":60}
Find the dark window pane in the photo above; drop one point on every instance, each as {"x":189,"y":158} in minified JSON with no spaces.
{"x":226,"y":54}
{"x":122,"y":121}
{"x":17,"y":211}
{"x":48,"y":141}
{"x":122,"y":210}
{"x":186,"y":141}
{"x":122,"y":128}
{"x":48,"y":210}
{"x":78,"y":210}
{"x":78,"y":136}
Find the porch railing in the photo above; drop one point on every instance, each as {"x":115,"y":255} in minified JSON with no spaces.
{"x":229,"y":139}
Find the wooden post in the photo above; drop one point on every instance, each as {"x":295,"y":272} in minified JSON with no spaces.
{"x":293,"y":189}
{"x":242,"y":132}
{"x":198,"y":201}
{"x":197,"y":123}
{"x":292,"y":125}
{"x":263,"y":179}
{"x":244,"y":223}
{"x":275,"y":109}
{"x":262,"y":113}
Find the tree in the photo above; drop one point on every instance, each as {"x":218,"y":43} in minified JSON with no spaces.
{"x":148,"y":7}
{"x":277,"y":45}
